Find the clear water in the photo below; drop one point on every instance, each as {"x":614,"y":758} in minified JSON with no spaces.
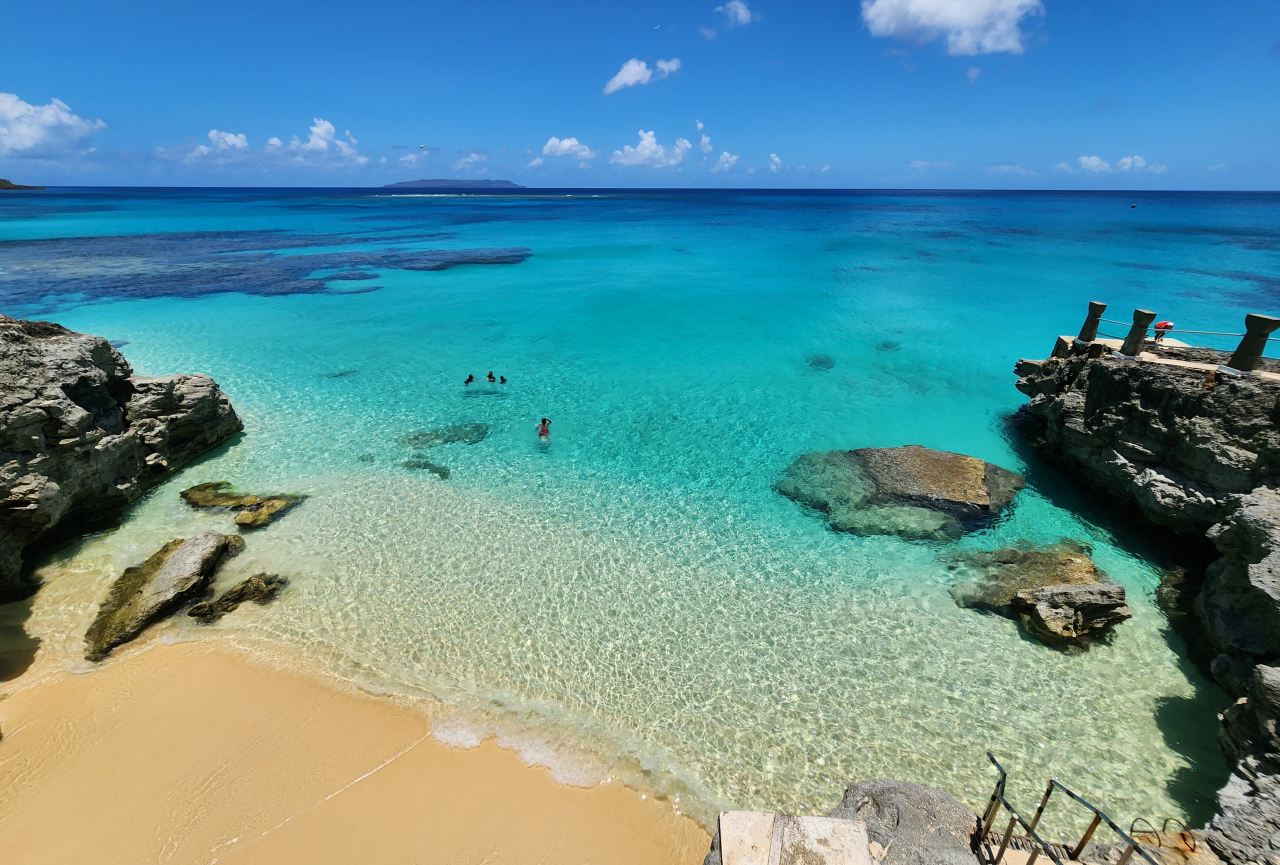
{"x":632,"y":599}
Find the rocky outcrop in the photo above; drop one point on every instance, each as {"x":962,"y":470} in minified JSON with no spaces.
{"x":252,"y":511}
{"x":177,"y":573}
{"x":911,"y":491}
{"x":1056,"y":592}
{"x":15,"y":187}
{"x":260,"y":588}
{"x":1247,"y":825}
{"x":82,"y":438}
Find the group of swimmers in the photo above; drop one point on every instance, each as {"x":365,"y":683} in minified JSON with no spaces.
{"x":502,"y":379}
{"x":544,"y":426}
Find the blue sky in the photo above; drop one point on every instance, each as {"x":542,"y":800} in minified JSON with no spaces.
{"x":1125,"y":94}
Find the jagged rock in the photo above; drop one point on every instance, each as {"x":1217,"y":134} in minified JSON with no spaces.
{"x":176,"y":573}
{"x":82,"y":438}
{"x":1056,"y":592}
{"x":911,"y":491}
{"x":254,"y":511}
{"x":1239,"y":602}
{"x":469,"y":433}
{"x":260,"y":588}
{"x":910,"y":824}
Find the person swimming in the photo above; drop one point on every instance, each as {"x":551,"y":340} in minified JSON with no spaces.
{"x":491,"y":377}
{"x":470,"y":379}
{"x":544,"y":429}
{"x":502,"y":379}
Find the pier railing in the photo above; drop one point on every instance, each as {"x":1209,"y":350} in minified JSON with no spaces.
{"x":1038,"y":845}
{"x":1246,"y":358}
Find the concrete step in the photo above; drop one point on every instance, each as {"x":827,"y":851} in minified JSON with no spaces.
{"x":761,"y":838}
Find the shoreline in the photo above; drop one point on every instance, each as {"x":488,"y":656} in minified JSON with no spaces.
{"x":199,"y":751}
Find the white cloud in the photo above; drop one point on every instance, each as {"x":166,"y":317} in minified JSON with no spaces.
{"x":775,"y":162}
{"x":970,"y":26}
{"x":972,"y":73}
{"x":738,"y":13}
{"x":41,"y":130}
{"x":322,"y":149}
{"x":921,"y":164}
{"x":708,"y":33}
{"x":636,"y":71}
{"x":1218,"y":166}
{"x":1137,"y":163}
{"x":226,"y":144}
{"x":1062,"y":166}
{"x":274,"y":142}
{"x":1094,"y":165}
{"x":1013,"y":169}
{"x":535,"y":162}
{"x":727,"y":161}
{"x":570,"y":147}
{"x":412,"y":160}
{"x":650,"y":153}
{"x":471,"y":160}
{"x":705,"y":144}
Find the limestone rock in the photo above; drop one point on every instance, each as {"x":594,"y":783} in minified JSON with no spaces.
{"x":82,"y":438}
{"x":260,"y":588}
{"x":176,"y":573}
{"x":1056,"y":592}
{"x":468,"y":433}
{"x":912,"y":491}
{"x":912,"y":823}
{"x":253,"y":511}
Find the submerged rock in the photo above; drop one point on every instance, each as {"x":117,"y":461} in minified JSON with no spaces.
{"x":82,"y":437}
{"x":441,"y":472}
{"x":468,"y":433}
{"x":176,"y":573}
{"x":254,"y":511}
{"x":821,"y":361}
{"x":1056,"y":592}
{"x":912,"y":491}
{"x":260,"y":588}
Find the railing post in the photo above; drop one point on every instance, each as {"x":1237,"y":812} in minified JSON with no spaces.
{"x":1084,"y":839}
{"x":1089,"y":332}
{"x":1004,"y":842}
{"x":1142,"y":319}
{"x":1248,"y":355}
{"x":1035,"y":821}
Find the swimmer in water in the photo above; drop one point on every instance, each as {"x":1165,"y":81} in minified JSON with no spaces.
{"x":491,"y":378}
{"x":544,"y":429}
{"x":470,"y":379}
{"x":502,"y":379}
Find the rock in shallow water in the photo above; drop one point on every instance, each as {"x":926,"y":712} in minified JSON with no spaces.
{"x":178,"y":572}
{"x":1056,"y":592}
{"x":469,"y":433}
{"x":254,"y":511}
{"x":912,"y":491}
{"x":260,"y":588}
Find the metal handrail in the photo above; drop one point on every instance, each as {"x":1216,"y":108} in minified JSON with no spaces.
{"x":1184,"y":330}
{"x":1099,"y":816}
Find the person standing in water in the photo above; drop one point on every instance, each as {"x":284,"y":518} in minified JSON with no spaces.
{"x":544,"y":429}
{"x":502,"y":379}
{"x":492,"y":379}
{"x":470,"y":379}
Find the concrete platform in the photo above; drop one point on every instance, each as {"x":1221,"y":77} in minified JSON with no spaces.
{"x":759,"y":838}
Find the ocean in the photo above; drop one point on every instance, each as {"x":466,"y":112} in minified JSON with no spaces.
{"x":631,"y":599}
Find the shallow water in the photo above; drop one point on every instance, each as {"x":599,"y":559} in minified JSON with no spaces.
{"x":632,"y":599}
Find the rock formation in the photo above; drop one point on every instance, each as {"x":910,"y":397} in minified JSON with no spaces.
{"x":82,"y":438}
{"x":1197,"y":451}
{"x":1056,"y":592}
{"x":260,"y":588}
{"x":468,"y":433}
{"x":174,"y":575}
{"x":253,"y":511}
{"x":15,"y":187}
{"x":911,"y":491}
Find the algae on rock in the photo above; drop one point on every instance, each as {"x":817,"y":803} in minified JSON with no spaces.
{"x":260,"y":588}
{"x":254,"y":511}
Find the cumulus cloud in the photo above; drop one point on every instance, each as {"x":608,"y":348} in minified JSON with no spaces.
{"x":1094,"y":164}
{"x":738,"y":13}
{"x":472,"y":160}
{"x":1137,"y":163}
{"x":708,"y":33}
{"x":41,"y":130}
{"x":705,"y":144}
{"x":635,"y":71}
{"x":650,"y":153}
{"x":972,"y":73}
{"x":727,"y":161}
{"x":1013,"y":169}
{"x":775,"y":162}
{"x":220,"y":143}
{"x":570,"y":147}
{"x":322,"y":149}
{"x":970,"y":26}
{"x":1064,"y":167}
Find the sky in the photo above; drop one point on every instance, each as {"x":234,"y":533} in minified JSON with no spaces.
{"x":991,"y":94}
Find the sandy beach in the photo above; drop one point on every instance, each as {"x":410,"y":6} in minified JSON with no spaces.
{"x":199,"y":753}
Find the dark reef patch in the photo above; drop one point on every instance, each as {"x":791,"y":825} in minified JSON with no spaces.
{"x":51,"y":273}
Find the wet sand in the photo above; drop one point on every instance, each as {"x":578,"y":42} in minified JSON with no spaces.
{"x":199,"y":753}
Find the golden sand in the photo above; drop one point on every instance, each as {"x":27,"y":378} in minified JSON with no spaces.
{"x":197,"y":753}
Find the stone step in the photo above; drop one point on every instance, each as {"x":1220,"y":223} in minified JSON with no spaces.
{"x":761,"y":838}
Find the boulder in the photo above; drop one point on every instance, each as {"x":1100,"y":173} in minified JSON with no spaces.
{"x":254,"y":511}
{"x":82,"y":438}
{"x":912,"y":491}
{"x":177,"y":573}
{"x":260,"y":588}
{"x":439,"y":471}
{"x":467,"y":433}
{"x":1056,"y":592}
{"x":910,"y":824}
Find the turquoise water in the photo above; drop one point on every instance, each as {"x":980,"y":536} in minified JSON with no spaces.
{"x":631,"y":599}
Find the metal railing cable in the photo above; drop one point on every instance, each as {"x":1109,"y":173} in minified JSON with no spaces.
{"x":1184,"y":330}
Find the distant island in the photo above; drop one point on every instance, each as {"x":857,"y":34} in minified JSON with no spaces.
{"x":454,"y":184}
{"x":4,"y":184}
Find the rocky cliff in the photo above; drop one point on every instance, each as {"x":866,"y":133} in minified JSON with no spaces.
{"x":1197,"y":451}
{"x":82,"y":438}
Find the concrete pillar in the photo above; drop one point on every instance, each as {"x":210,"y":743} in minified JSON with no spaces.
{"x":1142,"y":319}
{"x":1089,"y":332}
{"x":1248,"y":355}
